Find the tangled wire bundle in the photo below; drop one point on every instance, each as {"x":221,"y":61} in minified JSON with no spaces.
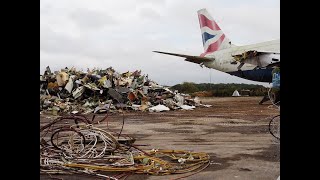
{"x":80,"y":147}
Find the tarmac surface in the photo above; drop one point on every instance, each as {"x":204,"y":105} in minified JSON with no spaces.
{"x":234,"y":132}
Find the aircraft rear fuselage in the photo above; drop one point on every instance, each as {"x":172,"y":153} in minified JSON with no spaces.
{"x":224,"y":61}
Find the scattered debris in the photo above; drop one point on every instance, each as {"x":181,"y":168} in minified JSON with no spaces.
{"x":186,"y":107}
{"x":245,"y":169}
{"x":159,"y":108}
{"x":72,"y":91}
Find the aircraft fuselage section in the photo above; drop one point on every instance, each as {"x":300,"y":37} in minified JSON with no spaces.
{"x":253,"y":69}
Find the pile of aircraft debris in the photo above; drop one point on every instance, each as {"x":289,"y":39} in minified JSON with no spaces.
{"x":98,"y":90}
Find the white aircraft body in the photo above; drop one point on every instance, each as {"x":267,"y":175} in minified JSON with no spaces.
{"x":253,"y":62}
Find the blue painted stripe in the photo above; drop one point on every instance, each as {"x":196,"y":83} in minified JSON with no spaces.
{"x":206,"y":36}
{"x":260,"y":75}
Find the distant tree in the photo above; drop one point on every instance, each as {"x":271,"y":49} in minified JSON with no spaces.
{"x":189,"y":87}
{"x":219,"y":90}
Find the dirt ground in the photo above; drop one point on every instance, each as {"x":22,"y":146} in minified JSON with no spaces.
{"x":234,"y":132}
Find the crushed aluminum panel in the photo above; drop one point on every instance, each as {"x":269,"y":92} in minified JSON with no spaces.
{"x":134,"y":84}
{"x":170,"y":103}
{"x":125,"y":81}
{"x":100,"y":109}
{"x":78,"y":92}
{"x":145,"y":89}
{"x":168,"y":90}
{"x":141,"y":80}
{"x":135,"y":107}
{"x":116,"y":75}
{"x":42,"y":79}
{"x":107,"y":84}
{"x":104,"y":82}
{"x":155,"y":85}
{"x":69,"y":85}
{"x":179,"y":99}
{"x":126,"y":74}
{"x":159,"y":108}
{"x":186,"y":107}
{"x":140,"y":94}
{"x":90,"y":104}
{"x":78,"y":82}
{"x":92,"y":86}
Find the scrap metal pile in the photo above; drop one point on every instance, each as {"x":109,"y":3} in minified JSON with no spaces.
{"x":73,"y":145}
{"x":72,"y":91}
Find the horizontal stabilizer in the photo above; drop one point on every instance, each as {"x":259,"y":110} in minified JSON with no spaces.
{"x":194,"y":59}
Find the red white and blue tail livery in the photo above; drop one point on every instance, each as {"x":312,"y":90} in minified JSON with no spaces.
{"x":253,"y":62}
{"x":213,"y":38}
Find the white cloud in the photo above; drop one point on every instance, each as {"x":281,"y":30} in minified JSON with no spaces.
{"x":90,"y":19}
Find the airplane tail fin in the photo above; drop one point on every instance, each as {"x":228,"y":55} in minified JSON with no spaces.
{"x":212,"y":36}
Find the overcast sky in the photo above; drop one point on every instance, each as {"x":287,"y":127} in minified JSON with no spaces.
{"x":123,"y":34}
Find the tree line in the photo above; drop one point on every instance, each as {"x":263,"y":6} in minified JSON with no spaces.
{"x":219,"y":90}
